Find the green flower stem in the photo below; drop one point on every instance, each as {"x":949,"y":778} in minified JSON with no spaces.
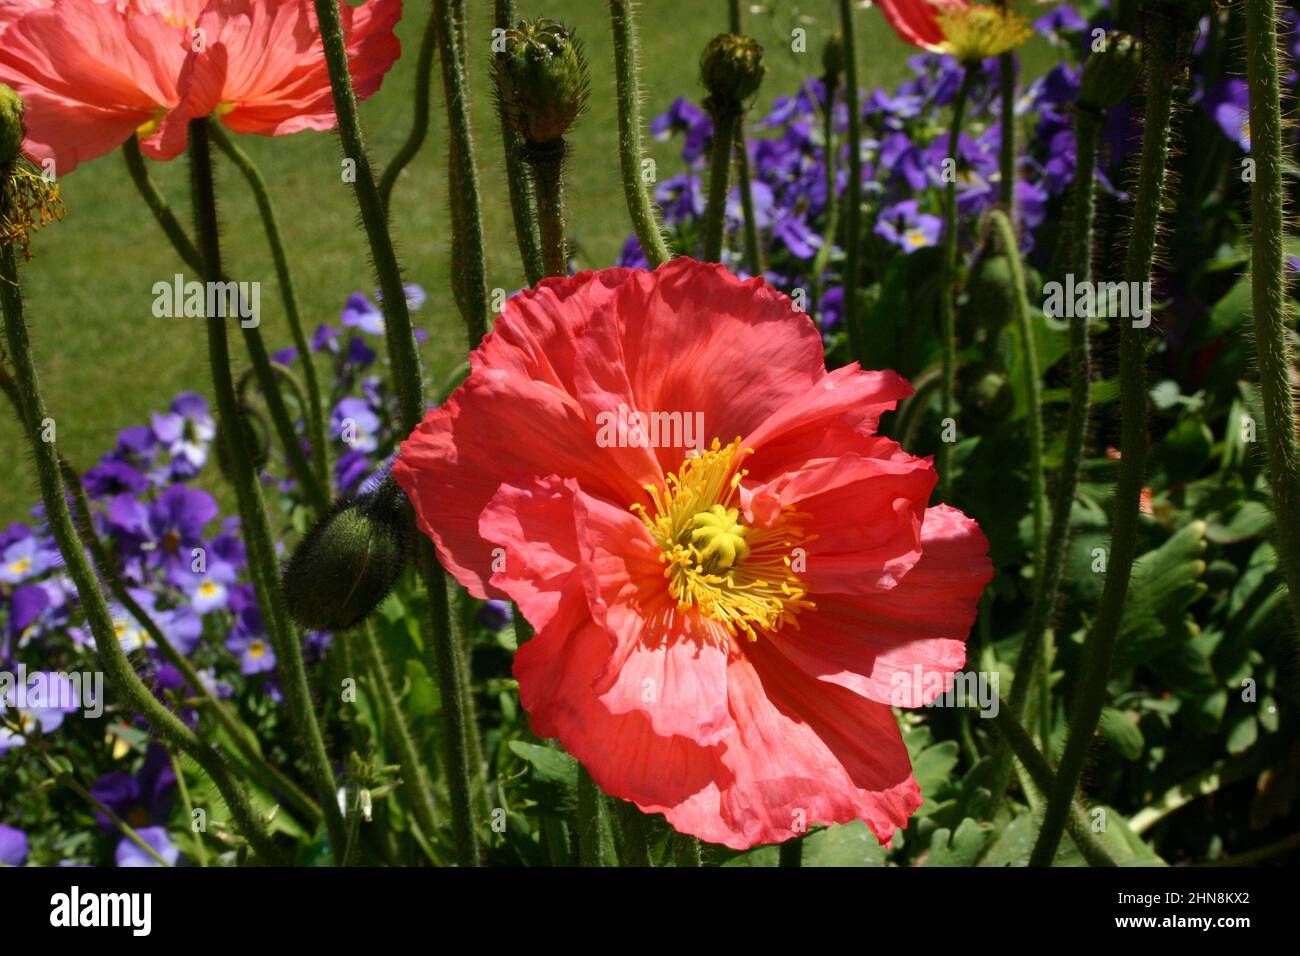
{"x":189,"y":254}
{"x":405,"y":360}
{"x":791,"y":853}
{"x":469,"y":266}
{"x":948,"y":289}
{"x":523,"y":204}
{"x":315,"y":413}
{"x":420,"y":121}
{"x":686,"y":850}
{"x":725,"y":121}
{"x":66,"y":778}
{"x":187,"y":805}
{"x":626,"y":68}
{"x":1268,"y":287}
{"x":1007,"y":723}
{"x":255,"y":524}
{"x":635,"y":850}
{"x":1033,"y":386}
{"x":249,"y":752}
{"x":823,"y":256}
{"x":853,"y":197}
{"x":594,"y":845}
{"x":413,"y":769}
{"x":1164,"y":43}
{"x":116,"y":666}
{"x":1087,"y":128}
{"x":753,"y":248}
{"x":547,"y":161}
{"x":1007,"y":149}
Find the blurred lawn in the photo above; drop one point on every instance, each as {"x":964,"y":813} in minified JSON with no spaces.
{"x":107,"y":362}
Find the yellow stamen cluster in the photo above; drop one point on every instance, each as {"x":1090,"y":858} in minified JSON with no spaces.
{"x":737,"y":574}
{"x":29,"y":201}
{"x":980,"y":31}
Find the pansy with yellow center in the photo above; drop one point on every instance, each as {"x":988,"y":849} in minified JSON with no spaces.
{"x":720,"y":630}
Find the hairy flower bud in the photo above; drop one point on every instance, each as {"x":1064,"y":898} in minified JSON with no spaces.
{"x":350,"y":560}
{"x":991,"y":295}
{"x":731,"y":69}
{"x":11,"y":125}
{"x":542,"y":79}
{"x":1109,"y":73}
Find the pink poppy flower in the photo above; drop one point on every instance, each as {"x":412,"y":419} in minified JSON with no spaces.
{"x":94,"y":72}
{"x":261,"y":67}
{"x":915,"y":21}
{"x":90,"y":75}
{"x":721,"y":629}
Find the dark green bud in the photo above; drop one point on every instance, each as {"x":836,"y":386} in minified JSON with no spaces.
{"x":1110,"y":73}
{"x":11,"y":125}
{"x":833,"y":57}
{"x":350,"y":560}
{"x":542,"y":79}
{"x":731,"y":69}
{"x":991,"y":295}
{"x":985,"y":395}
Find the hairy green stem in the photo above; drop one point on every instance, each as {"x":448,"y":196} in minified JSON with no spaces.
{"x":1087,"y":127}
{"x":187,"y":805}
{"x":413,"y":769}
{"x":547,"y":162}
{"x":1033,"y":386}
{"x":469,"y":264}
{"x":189,"y":254}
{"x":420,"y":120}
{"x":948,"y":288}
{"x":725,"y":121}
{"x":823,"y":257}
{"x":519,"y":181}
{"x":117,"y":668}
{"x":1007,"y":146}
{"x":1164,"y":43}
{"x":404,"y":357}
{"x":686,"y":850}
{"x":266,"y":773}
{"x":594,"y":847}
{"x":1007,"y":723}
{"x":634,"y":848}
{"x":1268,"y":287}
{"x":254,"y":522}
{"x":315,"y":413}
{"x":626,"y":67}
{"x":853,"y":198}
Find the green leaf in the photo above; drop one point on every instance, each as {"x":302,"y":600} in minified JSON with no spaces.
{"x":552,"y":781}
{"x":1121,"y":731}
{"x":960,"y":848}
{"x":852,"y":844}
{"x":1165,"y":582}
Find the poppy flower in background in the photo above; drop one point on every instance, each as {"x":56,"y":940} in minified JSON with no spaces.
{"x":94,"y":72}
{"x":720,"y":630}
{"x":969,"y":31}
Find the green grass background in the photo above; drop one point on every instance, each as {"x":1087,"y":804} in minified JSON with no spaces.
{"x":107,"y":362}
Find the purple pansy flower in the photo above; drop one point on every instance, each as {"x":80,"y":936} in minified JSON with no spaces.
{"x":908,"y":228}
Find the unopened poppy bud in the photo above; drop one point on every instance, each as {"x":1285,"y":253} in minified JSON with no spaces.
{"x":542,"y":79}
{"x":991,"y":295}
{"x":731,"y":69}
{"x":350,"y":560}
{"x":1110,"y":73}
{"x":986,"y":397}
{"x":11,"y":125}
{"x":833,"y":57}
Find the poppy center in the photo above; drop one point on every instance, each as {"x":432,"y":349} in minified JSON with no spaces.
{"x":738,"y":574}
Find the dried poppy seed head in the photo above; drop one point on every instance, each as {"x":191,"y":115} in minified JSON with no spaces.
{"x":731,"y":69}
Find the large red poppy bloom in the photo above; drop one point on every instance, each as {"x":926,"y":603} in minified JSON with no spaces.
{"x":916,"y":21}
{"x":720,"y":631}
